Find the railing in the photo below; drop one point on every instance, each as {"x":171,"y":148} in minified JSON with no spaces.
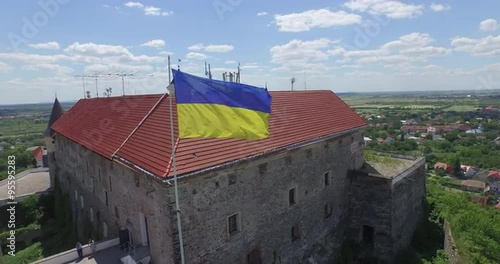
{"x":128,"y":248}
{"x":71,"y":255}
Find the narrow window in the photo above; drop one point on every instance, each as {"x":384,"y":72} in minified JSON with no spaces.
{"x":106,"y":198}
{"x":232,"y":224}
{"x":91,"y":183}
{"x":368,"y":232}
{"x":295,"y":232}
{"x":291,"y":196}
{"x":76,"y":195}
{"x":91,"y":214}
{"x":110,"y":189}
{"x":326,"y":177}
{"x":117,"y":214}
{"x":81,"y":201}
{"x":328,"y":211}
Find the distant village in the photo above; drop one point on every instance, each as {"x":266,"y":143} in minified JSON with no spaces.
{"x":485,"y":183}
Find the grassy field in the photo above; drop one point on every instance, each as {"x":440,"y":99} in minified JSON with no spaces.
{"x":461,"y":108}
{"x":18,"y":127}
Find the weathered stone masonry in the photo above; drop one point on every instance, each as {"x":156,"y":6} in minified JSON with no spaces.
{"x":129,"y":194}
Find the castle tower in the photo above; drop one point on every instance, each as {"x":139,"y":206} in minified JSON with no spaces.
{"x":49,"y":137}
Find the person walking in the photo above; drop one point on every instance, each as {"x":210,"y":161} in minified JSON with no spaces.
{"x":92,"y":247}
{"x":79,"y":249}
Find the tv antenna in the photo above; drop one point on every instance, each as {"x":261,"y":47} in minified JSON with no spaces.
{"x":88,"y":96}
{"x":208,"y":71}
{"x":108,"y":92}
{"x":292,"y":81}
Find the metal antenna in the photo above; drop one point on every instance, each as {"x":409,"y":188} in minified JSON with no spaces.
{"x":179,"y":65}
{"x":292,"y":80}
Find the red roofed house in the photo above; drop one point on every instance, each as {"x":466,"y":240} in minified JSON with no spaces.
{"x":413,"y":128}
{"x":239,"y":200}
{"x":38,"y":155}
{"x":443,"y":166}
{"x":493,"y":176}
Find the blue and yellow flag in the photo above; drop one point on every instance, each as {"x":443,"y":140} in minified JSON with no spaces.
{"x":217,"y":109}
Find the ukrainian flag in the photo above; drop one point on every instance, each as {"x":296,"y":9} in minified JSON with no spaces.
{"x":209,"y":108}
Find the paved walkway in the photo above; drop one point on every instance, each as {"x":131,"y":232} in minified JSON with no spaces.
{"x":110,"y":255}
{"x":32,"y":181}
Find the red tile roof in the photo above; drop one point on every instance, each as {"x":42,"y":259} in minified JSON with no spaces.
{"x":38,"y":153}
{"x":137,"y":129}
{"x":494,"y":174}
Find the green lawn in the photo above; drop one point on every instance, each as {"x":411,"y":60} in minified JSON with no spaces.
{"x":461,"y":108}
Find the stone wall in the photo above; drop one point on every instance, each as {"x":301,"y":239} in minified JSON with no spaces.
{"x":408,"y":197}
{"x":85,"y":174}
{"x":391,"y":206}
{"x":371,"y":206}
{"x":449,"y":244}
{"x":258,"y":191}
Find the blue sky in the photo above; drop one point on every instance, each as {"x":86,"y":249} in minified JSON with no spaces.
{"x":355,"y":45}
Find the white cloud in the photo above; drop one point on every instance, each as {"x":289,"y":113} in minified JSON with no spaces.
{"x":56,"y":68}
{"x":488,"y":25}
{"x":134,"y":4}
{"x":250,"y":66}
{"x":165,"y":53}
{"x":439,"y":7}
{"x":4,"y":67}
{"x":156,"y":43}
{"x":230,"y":62}
{"x":413,"y":47}
{"x":487,"y":46}
{"x":211,"y":48}
{"x":98,"y":50}
{"x":390,"y":8}
{"x":300,"y":55}
{"x":52,"y":45}
{"x":149,"y":10}
{"x":322,"y":18}
{"x":196,"y":56}
{"x":261,"y":13}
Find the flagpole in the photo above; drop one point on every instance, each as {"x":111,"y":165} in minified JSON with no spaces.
{"x":174,"y":166}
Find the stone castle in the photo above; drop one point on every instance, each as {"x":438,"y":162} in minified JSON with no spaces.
{"x":295,"y":197}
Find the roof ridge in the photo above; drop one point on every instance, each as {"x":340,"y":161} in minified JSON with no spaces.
{"x":139,"y":125}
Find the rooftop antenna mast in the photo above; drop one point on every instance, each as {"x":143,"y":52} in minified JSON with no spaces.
{"x":238,"y":80}
{"x":292,"y":81}
{"x":208,"y":71}
{"x":179,"y":64}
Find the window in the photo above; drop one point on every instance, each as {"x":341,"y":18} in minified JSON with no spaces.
{"x":295,"y":232}
{"x":291,"y":196}
{"x":233,"y":224}
{"x":91,"y":214}
{"x":326,"y":177}
{"x":262,"y":169}
{"x":368,"y":232}
{"x":106,"y":201}
{"x":110,"y":189}
{"x":76,"y":195}
{"x":328,"y":210}
{"x":231,"y":178}
{"x":81,"y":201}
{"x":104,"y":230}
{"x":91,"y":184}
{"x":117,"y":214}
